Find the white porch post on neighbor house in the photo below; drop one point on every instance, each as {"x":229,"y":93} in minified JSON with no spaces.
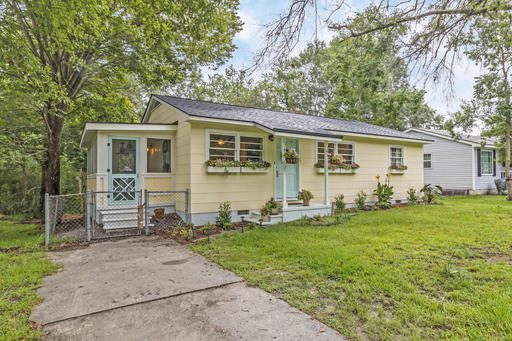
{"x":283,"y":174}
{"x":326,"y":173}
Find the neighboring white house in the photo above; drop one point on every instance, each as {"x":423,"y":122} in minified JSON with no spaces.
{"x":468,"y":163}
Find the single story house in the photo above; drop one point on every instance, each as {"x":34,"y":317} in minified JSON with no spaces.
{"x":466,"y":164}
{"x":221,"y":152}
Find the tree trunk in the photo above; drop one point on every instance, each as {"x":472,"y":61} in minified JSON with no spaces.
{"x":54,"y":135}
{"x":508,"y":178}
{"x":50,"y":167}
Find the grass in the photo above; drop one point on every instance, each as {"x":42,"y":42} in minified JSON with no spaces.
{"x":23,"y":265}
{"x":420,"y":272}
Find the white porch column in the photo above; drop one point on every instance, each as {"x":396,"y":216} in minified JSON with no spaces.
{"x":326,"y":173}
{"x":283,"y":175}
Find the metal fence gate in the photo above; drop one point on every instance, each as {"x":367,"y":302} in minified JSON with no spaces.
{"x":165,"y":209}
{"x":106,"y":215}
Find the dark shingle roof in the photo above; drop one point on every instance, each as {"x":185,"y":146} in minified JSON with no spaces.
{"x":463,"y":137}
{"x":279,"y":121}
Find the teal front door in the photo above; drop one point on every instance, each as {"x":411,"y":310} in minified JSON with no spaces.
{"x":123,"y":170}
{"x":292,"y":170}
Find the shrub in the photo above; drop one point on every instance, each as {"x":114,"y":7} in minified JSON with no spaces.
{"x":361,"y":200}
{"x":339,"y":203}
{"x":431,"y":193}
{"x":384,"y":193}
{"x":412,"y":196}
{"x":224,"y":215}
{"x":208,"y":229}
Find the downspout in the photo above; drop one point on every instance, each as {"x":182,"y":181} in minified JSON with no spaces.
{"x":326,"y":173}
{"x":283,"y":164}
{"x":473,"y":168}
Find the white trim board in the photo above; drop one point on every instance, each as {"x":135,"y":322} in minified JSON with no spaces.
{"x":91,"y":128}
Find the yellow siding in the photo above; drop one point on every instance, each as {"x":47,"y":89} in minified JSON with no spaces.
{"x":245,"y":191}
{"x":158,"y":184}
{"x":165,"y":114}
{"x":250,"y":191}
{"x":373,"y":157}
{"x":91,"y":183}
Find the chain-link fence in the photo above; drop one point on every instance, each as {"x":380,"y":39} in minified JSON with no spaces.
{"x":116,"y":214}
{"x":105,"y":215}
{"x":66,"y":218}
{"x":165,"y":209}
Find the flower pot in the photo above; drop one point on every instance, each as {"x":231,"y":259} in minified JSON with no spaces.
{"x":159,"y":213}
{"x":274,"y":211}
{"x":265,"y":218}
{"x":306,"y":202}
{"x":291,"y":161}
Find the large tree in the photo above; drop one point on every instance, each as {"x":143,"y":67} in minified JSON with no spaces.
{"x":371,"y":78}
{"x":67,"y":55}
{"x":489,"y":44}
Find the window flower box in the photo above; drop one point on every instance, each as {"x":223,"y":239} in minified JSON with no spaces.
{"x":222,"y":166}
{"x":397,"y":169}
{"x":254,"y":166}
{"x":223,"y":169}
{"x":337,"y":168}
{"x":336,"y":171}
{"x":253,"y":170}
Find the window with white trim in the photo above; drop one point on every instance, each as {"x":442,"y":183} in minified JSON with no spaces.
{"x":486,"y":161}
{"x":345,"y":150}
{"x":251,"y":148}
{"x":158,"y":153}
{"x":427,"y":160}
{"x":397,"y":156}
{"x":226,"y":146}
{"x":222,"y":147}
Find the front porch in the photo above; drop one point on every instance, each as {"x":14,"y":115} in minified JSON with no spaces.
{"x":292,"y":211}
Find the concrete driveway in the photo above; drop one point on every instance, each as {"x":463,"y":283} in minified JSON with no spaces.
{"x":154,"y":289}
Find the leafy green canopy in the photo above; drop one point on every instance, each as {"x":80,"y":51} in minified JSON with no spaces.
{"x":64,"y":62}
{"x":363,"y":79}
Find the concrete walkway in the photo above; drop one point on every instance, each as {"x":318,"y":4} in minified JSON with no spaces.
{"x":154,"y":289}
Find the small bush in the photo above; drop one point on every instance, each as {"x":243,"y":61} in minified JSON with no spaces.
{"x":224,"y":215}
{"x":431,"y":193}
{"x":361,"y":200}
{"x":384,"y":193}
{"x":412,"y":196}
{"x":339,"y":203}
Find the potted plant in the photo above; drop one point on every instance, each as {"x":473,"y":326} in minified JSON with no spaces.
{"x":291,"y":156}
{"x":249,"y":166}
{"x":305,"y":196}
{"x":265,"y":213}
{"x":273,"y":206}
{"x":223,"y":166}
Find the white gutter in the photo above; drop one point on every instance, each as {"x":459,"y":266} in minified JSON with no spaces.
{"x":90,"y":127}
{"x":389,"y":138}
{"x":473,"y":169}
{"x":265,"y":129}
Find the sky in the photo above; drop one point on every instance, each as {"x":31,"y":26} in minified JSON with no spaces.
{"x":256,"y":13}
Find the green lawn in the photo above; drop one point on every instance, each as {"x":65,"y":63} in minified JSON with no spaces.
{"x":424,"y":272}
{"x":23,"y":265}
